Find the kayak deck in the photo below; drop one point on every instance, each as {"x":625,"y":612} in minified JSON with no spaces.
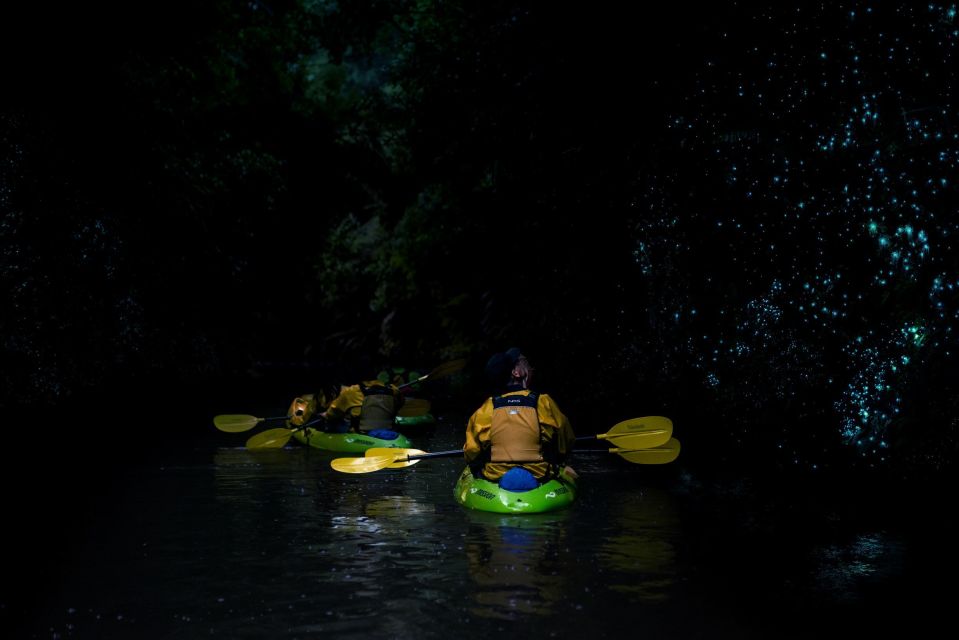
{"x":348,"y":442}
{"x":483,"y":495}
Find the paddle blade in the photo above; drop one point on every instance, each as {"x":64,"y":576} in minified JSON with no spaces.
{"x":443,"y":370}
{"x":399,"y":455}
{"x":234,"y":423}
{"x":638,"y":440}
{"x":446,"y":369}
{"x":413,"y":407}
{"x":660,"y":455}
{"x":270,"y":439}
{"x":641,"y":425}
{"x":361,"y":465}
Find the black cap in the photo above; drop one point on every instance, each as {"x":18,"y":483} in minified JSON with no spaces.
{"x":500,"y":365}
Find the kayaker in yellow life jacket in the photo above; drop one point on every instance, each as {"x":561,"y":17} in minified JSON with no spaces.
{"x":368,"y":406}
{"x":518,"y":438}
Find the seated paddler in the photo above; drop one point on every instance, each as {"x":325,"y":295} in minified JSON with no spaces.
{"x":369,"y":407}
{"x":518,"y":438}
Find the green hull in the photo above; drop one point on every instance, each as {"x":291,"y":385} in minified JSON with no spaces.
{"x":416,"y":422}
{"x":347,"y":442}
{"x":483,"y":495}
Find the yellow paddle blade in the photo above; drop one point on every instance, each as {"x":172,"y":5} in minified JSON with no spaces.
{"x":235,"y":423}
{"x":660,"y":455}
{"x":361,"y":465}
{"x":638,"y":440}
{"x":270,"y":439}
{"x":446,"y":369}
{"x":413,"y":407}
{"x":399,"y":455}
{"x":639,"y":425}
{"x":441,"y":371}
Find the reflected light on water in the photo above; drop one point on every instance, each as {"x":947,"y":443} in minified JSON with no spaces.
{"x":637,"y":547}
{"x":842,"y":570}
{"x":275,"y":544}
{"x":515,"y":564}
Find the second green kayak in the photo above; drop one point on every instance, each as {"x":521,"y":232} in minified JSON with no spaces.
{"x":348,"y":442}
{"x":483,"y":495}
{"x":416,"y":422}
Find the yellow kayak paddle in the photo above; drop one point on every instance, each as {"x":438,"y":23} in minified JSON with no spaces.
{"x":441,"y":371}
{"x":238,"y":423}
{"x":639,"y":440}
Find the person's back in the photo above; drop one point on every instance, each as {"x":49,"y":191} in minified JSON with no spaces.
{"x":380,"y":405}
{"x":518,"y":437}
{"x":369,"y":405}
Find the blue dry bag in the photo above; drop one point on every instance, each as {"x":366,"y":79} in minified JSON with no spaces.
{"x":518,"y":479}
{"x":383,"y":434}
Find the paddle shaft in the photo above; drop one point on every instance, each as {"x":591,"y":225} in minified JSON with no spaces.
{"x":649,"y":435}
{"x":635,"y":439}
{"x":438,"y":454}
{"x":455,"y":452}
{"x":281,"y":438}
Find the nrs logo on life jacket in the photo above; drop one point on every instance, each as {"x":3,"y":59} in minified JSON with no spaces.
{"x":515,"y":433}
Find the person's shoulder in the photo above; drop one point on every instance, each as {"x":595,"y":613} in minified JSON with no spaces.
{"x":486,"y":405}
{"x":484,"y":412}
{"x":546,"y":400}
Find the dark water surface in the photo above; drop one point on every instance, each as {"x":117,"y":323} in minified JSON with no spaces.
{"x":217,"y":541}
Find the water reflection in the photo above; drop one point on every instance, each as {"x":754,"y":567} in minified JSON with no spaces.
{"x":841,"y":571}
{"x":274,"y":544}
{"x":240,"y":460}
{"x":637,"y":545}
{"x":236,"y":470}
{"x":516,"y":563}
{"x":398,"y":506}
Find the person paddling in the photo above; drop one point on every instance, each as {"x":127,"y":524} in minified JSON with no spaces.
{"x":369,"y":407}
{"x":518,"y":437}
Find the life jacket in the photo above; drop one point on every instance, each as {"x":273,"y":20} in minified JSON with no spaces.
{"x":516,"y":436}
{"x":379,"y":407}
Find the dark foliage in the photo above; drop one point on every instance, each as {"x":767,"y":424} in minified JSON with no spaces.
{"x":673,"y":211}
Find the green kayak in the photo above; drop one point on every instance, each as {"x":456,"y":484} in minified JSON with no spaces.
{"x":416,"y":422}
{"x":348,"y":442}
{"x":483,"y":495}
